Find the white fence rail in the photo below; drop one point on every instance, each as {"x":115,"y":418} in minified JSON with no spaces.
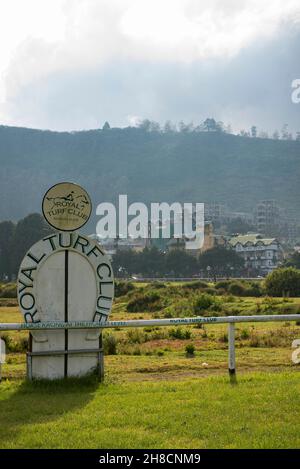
{"x":230,"y":320}
{"x":145,"y":322}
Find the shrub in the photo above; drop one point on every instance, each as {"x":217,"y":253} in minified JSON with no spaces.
{"x":8,"y":341}
{"x":206,"y":302}
{"x":283,"y":282}
{"x":158,"y":285}
{"x":110,"y":344}
{"x":137,"y":351}
{"x":190,"y":349}
{"x":179,"y":333}
{"x":158,"y":335}
{"x":15,"y":346}
{"x":253,"y":290}
{"x":287,"y":309}
{"x":144,"y":302}
{"x":221,"y":292}
{"x":254,"y":341}
{"x":150,"y":329}
{"x":8,"y":290}
{"x":182,"y":308}
{"x":230,"y":299}
{"x":224,"y":284}
{"x":195,"y":285}
{"x":232,"y":312}
{"x":224,"y":337}
{"x":23,"y":344}
{"x":237,"y":288}
{"x":168,"y":314}
{"x":245,"y":334}
{"x":122,"y":288}
{"x":258,"y":308}
{"x":203,"y":302}
{"x":135,"y":336}
{"x":209,"y":291}
{"x":270,"y":301}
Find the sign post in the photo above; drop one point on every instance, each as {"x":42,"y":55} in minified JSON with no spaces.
{"x":231,"y":351}
{"x":65,"y":277}
{"x":2,"y":355}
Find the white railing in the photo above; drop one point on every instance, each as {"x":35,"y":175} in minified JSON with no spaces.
{"x":230,"y":320}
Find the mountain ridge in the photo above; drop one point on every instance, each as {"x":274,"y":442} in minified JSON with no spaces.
{"x":148,"y":166}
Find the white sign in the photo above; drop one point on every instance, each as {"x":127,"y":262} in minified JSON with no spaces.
{"x":65,"y":277}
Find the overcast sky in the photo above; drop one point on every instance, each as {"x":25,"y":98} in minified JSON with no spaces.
{"x":73,"y":64}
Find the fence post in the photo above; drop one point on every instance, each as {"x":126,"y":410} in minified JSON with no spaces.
{"x":231,"y":350}
{"x":1,"y":356}
{"x":29,"y":358}
{"x":101,"y":357}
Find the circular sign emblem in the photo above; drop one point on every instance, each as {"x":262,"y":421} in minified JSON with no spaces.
{"x":66,"y":206}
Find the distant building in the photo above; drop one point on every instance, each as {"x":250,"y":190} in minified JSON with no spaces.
{"x":215,"y":212}
{"x":244,"y":216}
{"x":289,"y":230}
{"x":220,"y":213}
{"x":211,"y":240}
{"x":267,"y":217}
{"x":260,"y":254}
{"x":112,"y":245}
{"x":108,"y":244}
{"x":136,"y":245}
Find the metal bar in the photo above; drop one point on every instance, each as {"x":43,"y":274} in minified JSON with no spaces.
{"x":2,"y":356}
{"x":62,"y":352}
{"x":101,"y":363}
{"x":231,"y":348}
{"x":184,"y":279}
{"x":145,"y":322}
{"x":29,"y":366}
{"x":29,"y":358}
{"x":101,"y":357}
{"x":66,"y":311}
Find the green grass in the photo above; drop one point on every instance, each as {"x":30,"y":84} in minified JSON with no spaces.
{"x":154,"y":396}
{"x":261,"y":411}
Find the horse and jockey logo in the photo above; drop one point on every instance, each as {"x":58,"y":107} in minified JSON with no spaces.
{"x":71,"y":198}
{"x":67,"y":206}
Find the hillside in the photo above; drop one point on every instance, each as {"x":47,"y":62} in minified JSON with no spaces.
{"x":148,"y":166}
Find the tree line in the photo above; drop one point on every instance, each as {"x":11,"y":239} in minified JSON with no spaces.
{"x":212,"y":125}
{"x":151,"y":262}
{"x":16,"y":239}
{"x":216,"y":262}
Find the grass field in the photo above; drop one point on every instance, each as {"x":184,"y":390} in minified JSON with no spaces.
{"x":261,"y":411}
{"x":154,"y":395}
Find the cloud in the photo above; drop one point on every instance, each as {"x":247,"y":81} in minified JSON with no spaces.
{"x":161,"y":59}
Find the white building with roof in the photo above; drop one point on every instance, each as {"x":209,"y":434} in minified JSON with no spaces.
{"x":259,"y":253}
